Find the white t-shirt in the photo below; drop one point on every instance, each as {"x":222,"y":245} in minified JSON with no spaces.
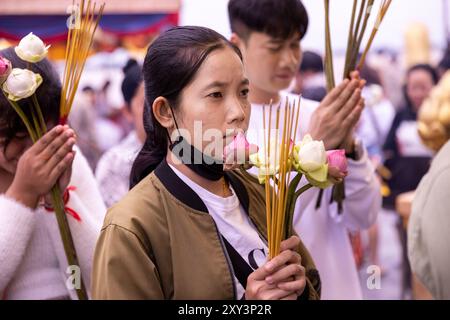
{"x":234,"y":224}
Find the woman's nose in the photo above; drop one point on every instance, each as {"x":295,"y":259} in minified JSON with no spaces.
{"x":237,"y":112}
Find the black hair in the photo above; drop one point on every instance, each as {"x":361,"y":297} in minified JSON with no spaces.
{"x":171,"y":63}
{"x":131,"y":81}
{"x":311,"y":61}
{"x":424,"y":67}
{"x":48,"y":94}
{"x":280,"y":19}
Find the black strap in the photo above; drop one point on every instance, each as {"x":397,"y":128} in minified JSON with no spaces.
{"x":241,"y":268}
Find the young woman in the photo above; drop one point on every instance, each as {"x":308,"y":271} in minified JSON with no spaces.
{"x":33,"y":264}
{"x":189,"y":230}
{"x":406,"y":156}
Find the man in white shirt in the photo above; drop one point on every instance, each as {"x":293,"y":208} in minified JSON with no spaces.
{"x":268,"y":32}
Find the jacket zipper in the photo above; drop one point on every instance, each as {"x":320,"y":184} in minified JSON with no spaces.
{"x":230,"y":267}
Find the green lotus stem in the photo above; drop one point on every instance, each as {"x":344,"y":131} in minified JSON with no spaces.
{"x":338,"y":195}
{"x":66,"y":237}
{"x":39,"y":113}
{"x":290,"y":199}
{"x":291,"y":208}
{"x":37,"y":127}
{"x":23,"y":117}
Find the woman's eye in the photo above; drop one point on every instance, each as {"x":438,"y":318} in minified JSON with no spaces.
{"x":275,"y":49}
{"x":244,"y":92}
{"x":215,"y":95}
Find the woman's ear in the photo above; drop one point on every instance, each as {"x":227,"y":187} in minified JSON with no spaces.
{"x":163,"y":113}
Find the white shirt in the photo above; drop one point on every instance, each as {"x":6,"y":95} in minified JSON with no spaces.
{"x":234,"y":224}
{"x":114,"y":167}
{"x":323,"y":231}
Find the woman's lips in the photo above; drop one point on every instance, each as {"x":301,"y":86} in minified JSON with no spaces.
{"x":285,"y":76}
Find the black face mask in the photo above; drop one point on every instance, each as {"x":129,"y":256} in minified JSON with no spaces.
{"x":197,"y":161}
{"x":200,"y":163}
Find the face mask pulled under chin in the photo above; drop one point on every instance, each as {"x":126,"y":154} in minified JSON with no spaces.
{"x":204,"y":165}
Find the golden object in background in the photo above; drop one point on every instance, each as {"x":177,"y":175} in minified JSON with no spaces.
{"x":417,"y":44}
{"x":434,"y":115}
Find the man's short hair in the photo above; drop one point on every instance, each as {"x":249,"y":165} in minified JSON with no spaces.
{"x":280,"y":19}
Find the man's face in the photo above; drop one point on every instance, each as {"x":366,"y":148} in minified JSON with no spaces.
{"x":270,"y":63}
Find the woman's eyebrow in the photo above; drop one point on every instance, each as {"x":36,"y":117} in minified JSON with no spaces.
{"x":220,"y":84}
{"x":215,"y":84}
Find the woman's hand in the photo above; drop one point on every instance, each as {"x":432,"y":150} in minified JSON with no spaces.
{"x":42,"y":165}
{"x":282,"y":278}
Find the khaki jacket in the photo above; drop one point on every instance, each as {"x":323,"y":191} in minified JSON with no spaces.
{"x":159,"y":242}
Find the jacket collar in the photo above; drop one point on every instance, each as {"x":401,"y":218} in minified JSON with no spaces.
{"x":186,"y":195}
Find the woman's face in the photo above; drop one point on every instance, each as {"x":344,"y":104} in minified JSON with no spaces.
{"x":10,"y":155}
{"x":214,"y":107}
{"x":418,"y":87}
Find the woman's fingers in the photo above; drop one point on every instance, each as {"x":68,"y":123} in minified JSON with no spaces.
{"x":292,"y":270}
{"x":60,"y":154}
{"x":275,"y":294}
{"x":290,"y":244}
{"x":292,"y":296}
{"x":58,"y":170}
{"x":48,"y":138}
{"x":297,"y":286}
{"x":57,"y":142}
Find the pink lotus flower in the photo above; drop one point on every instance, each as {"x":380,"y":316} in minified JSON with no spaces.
{"x":5,"y":69}
{"x":238,"y":151}
{"x":338,"y":160}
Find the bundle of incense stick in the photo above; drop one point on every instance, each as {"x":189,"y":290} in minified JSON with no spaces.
{"x":357,"y":29}
{"x":277,"y":200}
{"x":356,"y":33}
{"x":79,"y":41}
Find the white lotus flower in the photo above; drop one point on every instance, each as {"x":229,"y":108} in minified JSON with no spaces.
{"x":31,"y":48}
{"x":21,"y":83}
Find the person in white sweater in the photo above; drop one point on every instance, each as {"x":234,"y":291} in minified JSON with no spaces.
{"x":33,"y":264}
{"x":268,"y":33}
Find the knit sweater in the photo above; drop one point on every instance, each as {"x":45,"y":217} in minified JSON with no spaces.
{"x":33,"y":264}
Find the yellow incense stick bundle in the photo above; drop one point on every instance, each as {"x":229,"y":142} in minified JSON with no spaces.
{"x":281,"y":143}
{"x":79,"y":41}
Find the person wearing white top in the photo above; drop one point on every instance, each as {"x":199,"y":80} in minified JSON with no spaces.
{"x":33,"y":264}
{"x":272,"y":55}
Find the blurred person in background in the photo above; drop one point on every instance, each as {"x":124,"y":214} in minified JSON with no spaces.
{"x":406,"y":157}
{"x":114,"y":167}
{"x":83,"y":120}
{"x":310,"y":79}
